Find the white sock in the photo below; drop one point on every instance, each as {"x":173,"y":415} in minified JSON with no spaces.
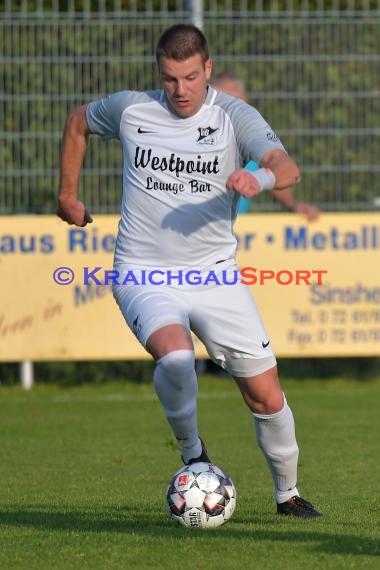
{"x":176,"y":385}
{"x":276,"y":437}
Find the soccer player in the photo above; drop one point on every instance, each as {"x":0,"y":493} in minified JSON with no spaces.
{"x":184,"y":147}
{"x":229,"y":82}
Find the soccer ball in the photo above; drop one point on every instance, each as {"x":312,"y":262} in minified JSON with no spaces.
{"x":201,"y":495}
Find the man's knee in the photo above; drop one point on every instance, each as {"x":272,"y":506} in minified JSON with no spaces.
{"x":177,"y":365}
{"x":176,"y":384}
{"x":168,"y":339}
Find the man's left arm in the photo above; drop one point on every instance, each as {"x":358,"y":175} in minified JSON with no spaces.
{"x":285,"y":170}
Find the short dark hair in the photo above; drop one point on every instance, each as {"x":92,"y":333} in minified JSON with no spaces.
{"x":182,"y":41}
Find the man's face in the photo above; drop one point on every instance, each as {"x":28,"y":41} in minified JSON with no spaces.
{"x":185,"y":83}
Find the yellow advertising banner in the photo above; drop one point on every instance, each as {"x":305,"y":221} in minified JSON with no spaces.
{"x":317,"y":286}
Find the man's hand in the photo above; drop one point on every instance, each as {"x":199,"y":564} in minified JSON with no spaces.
{"x":73,"y":212}
{"x":308,"y":210}
{"x":244,"y":183}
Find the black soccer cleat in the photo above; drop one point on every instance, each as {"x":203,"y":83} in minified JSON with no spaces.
{"x":297,"y":507}
{"x":203,"y":458}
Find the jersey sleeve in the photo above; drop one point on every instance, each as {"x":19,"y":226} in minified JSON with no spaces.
{"x":104,"y":115}
{"x":253,"y":134}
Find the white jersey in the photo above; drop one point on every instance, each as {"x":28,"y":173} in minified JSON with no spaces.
{"x":176,"y":211}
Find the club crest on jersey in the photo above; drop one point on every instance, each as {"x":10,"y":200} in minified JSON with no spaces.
{"x":206,"y":135}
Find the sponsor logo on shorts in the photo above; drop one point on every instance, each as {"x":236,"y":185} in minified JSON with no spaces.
{"x":136,"y":326}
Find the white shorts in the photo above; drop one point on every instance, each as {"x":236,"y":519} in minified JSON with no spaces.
{"x":224,"y":317}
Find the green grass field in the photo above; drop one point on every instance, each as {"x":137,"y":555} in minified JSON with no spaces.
{"x":84,"y":473}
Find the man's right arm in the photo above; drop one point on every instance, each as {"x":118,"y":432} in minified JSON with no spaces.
{"x":74,"y":146}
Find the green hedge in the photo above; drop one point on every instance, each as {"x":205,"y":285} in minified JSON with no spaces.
{"x":322,"y":101}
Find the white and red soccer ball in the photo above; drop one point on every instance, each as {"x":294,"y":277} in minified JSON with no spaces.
{"x":201,"y":495}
